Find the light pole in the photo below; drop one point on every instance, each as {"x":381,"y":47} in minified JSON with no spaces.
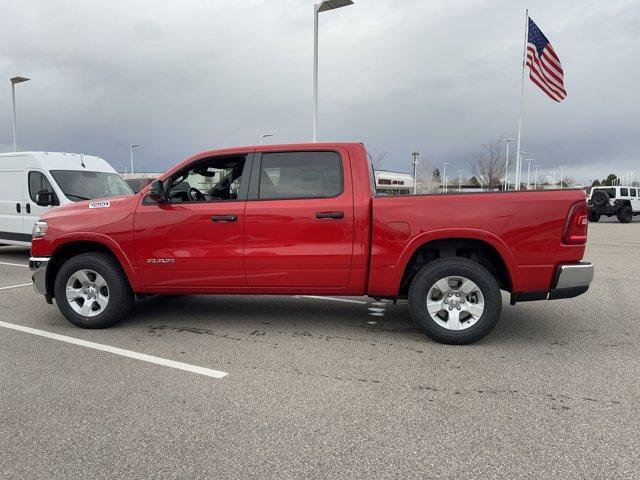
{"x":317,"y":8}
{"x":536,"y":184}
{"x":562,"y":175}
{"x":131,"y":147}
{"x":529,"y":172}
{"x":506,"y":161}
{"x":263,"y":136}
{"x":415,"y":154}
{"x":13,"y":81}
{"x":444,"y":176}
{"x":460,"y":181}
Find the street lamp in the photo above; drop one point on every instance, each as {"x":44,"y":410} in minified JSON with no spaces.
{"x":415,"y":154}
{"x":263,"y":136}
{"x":536,"y":184}
{"x":506,"y":162}
{"x":444,"y":176}
{"x":529,"y":171}
{"x":562,"y":175}
{"x":460,"y":181}
{"x":317,"y":8}
{"x":13,"y":81}
{"x":131,"y":147}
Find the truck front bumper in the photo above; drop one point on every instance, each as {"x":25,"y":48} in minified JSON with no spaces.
{"x":38,"y":266}
{"x":570,"y":280}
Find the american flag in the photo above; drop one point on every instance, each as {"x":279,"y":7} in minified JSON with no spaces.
{"x":544,"y":65}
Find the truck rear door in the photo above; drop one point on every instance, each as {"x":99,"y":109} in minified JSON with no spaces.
{"x":299,"y":228}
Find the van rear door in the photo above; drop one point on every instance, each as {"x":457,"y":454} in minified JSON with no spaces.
{"x":12,"y":207}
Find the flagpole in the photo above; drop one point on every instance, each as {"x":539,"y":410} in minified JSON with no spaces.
{"x":524,"y":61}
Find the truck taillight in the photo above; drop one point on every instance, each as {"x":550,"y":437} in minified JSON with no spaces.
{"x":575,"y":230}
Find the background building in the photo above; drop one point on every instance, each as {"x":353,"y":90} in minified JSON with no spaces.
{"x":393,"y":183}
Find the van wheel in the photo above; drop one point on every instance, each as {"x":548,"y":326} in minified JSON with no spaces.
{"x":455,"y":301}
{"x":92,"y":291}
{"x":594,"y":216}
{"x":625,"y":215}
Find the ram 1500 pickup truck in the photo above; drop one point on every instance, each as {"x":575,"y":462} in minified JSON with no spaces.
{"x":305,"y":219}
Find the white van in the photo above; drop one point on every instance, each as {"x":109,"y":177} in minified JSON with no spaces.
{"x":33,"y":182}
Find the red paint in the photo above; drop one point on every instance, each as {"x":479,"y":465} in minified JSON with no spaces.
{"x":280,"y":247}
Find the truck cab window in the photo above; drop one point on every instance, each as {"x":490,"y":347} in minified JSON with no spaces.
{"x":300,"y":175}
{"x":210,"y":180}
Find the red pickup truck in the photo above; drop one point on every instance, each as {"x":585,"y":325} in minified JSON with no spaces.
{"x":305,"y":219}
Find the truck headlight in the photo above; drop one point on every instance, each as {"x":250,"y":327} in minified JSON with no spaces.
{"x":39,"y":229}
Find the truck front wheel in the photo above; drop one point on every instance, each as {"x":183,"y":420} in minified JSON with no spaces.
{"x":455,"y":301}
{"x":92,"y":291}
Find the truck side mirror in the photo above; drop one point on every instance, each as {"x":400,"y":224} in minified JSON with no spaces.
{"x":156,"y":192}
{"x":45,"y":198}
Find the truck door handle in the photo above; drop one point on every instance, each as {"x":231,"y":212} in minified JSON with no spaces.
{"x":224,"y":218}
{"x":28,"y":208}
{"x":18,"y":207}
{"x":332,"y":215}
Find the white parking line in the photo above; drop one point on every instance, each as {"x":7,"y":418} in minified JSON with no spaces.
{"x":14,"y":264}
{"x":16,"y":286}
{"x":317,"y":297}
{"x":118,"y":351}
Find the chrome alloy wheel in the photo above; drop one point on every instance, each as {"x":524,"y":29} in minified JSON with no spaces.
{"x":87,"y":293}
{"x":455,"y":303}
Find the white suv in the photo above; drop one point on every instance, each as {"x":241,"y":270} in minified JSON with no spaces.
{"x":623,"y":202}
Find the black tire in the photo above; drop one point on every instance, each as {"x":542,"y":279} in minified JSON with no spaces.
{"x":120,"y":294}
{"x":625,"y":215}
{"x":593,"y":216}
{"x":455,"y":266}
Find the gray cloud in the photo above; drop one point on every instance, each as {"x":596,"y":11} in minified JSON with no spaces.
{"x":443,"y":77}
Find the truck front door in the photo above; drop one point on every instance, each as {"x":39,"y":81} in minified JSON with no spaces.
{"x":299,"y":221}
{"x":195,"y":240}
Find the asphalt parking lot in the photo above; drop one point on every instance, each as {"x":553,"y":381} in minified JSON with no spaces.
{"x":321,"y":388}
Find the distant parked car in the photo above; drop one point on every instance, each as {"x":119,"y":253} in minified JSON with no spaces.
{"x":138,"y":184}
{"x":623,"y":202}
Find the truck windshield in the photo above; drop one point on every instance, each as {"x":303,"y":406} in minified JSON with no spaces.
{"x":79,"y":185}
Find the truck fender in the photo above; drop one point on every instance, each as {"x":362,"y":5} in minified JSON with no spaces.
{"x":458,"y":233}
{"x":105,"y":241}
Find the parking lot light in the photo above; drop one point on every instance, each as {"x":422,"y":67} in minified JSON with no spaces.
{"x":131,"y":147}
{"x":14,"y":81}
{"x":323,"y":6}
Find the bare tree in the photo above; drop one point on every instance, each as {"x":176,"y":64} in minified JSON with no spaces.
{"x":377,"y":159}
{"x":488,"y":166}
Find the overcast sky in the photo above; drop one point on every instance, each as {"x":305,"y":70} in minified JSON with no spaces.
{"x":180,"y":77}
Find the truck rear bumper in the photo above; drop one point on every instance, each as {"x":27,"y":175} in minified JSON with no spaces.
{"x":570,"y":280}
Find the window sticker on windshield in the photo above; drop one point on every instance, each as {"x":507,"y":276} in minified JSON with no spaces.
{"x":99,"y":205}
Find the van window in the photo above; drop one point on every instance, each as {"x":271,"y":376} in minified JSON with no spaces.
{"x":37,"y":182}
{"x":80,"y":185}
{"x":624,"y":192}
{"x":300,"y":175}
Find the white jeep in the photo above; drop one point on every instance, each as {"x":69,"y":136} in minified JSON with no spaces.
{"x":623,"y":202}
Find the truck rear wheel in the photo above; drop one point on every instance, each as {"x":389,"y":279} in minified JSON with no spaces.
{"x":92,"y":291}
{"x":593,"y":216}
{"x":625,"y":215}
{"x":455,"y":301}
